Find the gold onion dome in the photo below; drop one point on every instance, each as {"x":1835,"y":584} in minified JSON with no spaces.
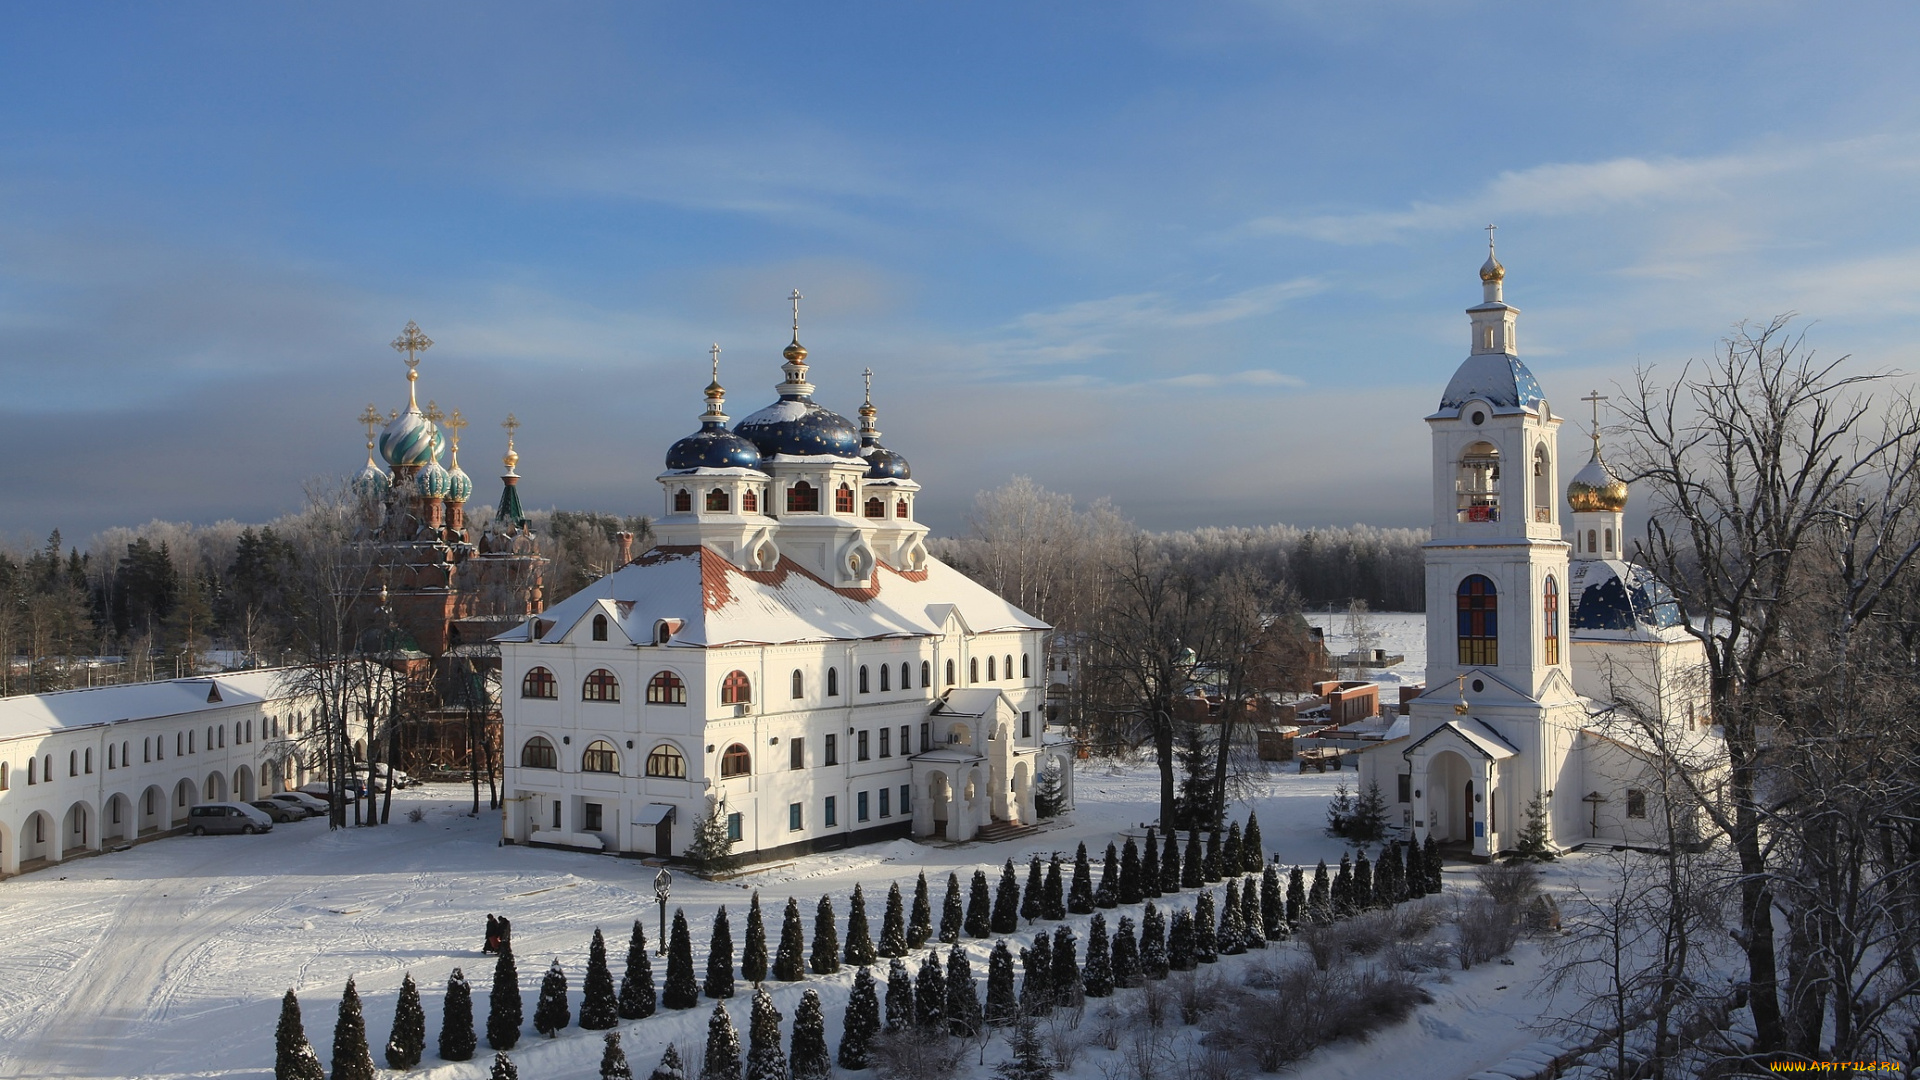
{"x":1594,"y":489}
{"x":1491,"y":270}
{"x":795,"y":352}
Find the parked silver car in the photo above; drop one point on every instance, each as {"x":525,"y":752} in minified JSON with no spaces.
{"x":227,"y":818}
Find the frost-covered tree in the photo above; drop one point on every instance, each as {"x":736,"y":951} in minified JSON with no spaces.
{"x":1320,"y":897}
{"x":1255,"y":926}
{"x":1211,"y":867}
{"x":550,"y":1011}
{"x":1080,"y":894}
{"x":766,"y":1057}
{"x":930,"y":995}
{"x":722,"y":1060}
{"x":825,"y":958}
{"x":1253,"y":856}
{"x":1126,"y":955}
{"x":1096,"y":975}
{"x":712,"y":846}
{"x":503,"y":1068}
{"x":1036,"y":983}
{"x":859,"y":950}
{"x":1361,"y":895}
{"x":409,"y":1038}
{"x":293,"y":1056}
{"x":1031,"y":900}
{"x":920,"y":924}
{"x":636,"y":983}
{"x":900,"y":1009}
{"x":1231,"y":858}
{"x":979,"y":919}
{"x":613,"y":1059}
{"x":1030,"y":1060}
{"x":1171,"y":872}
{"x":1367,"y":823}
{"x":351,"y":1058}
{"x":1002,"y":1002}
{"x":1206,"y":945}
{"x":1180,"y":942}
{"x":1342,"y":891}
{"x":1389,"y":877}
{"x":861,"y":1024}
{"x":753,"y":958}
{"x":680,"y":991}
{"x":1149,"y":867}
{"x":1153,"y":943}
{"x":1296,"y":896}
{"x":963,"y":998}
{"x":1107,"y":893}
{"x":719,"y":982}
{"x":1053,"y":902}
{"x":893,"y":925}
{"x":1066,"y":967}
{"x":503,"y":1002}
{"x":1006,"y":901}
{"x":1532,"y":844}
{"x":952,"y":915}
{"x":457,"y":1040}
{"x":1232,"y":936}
{"x":789,"y":963}
{"x":1193,"y":864}
{"x":670,"y":1067}
{"x":1049,"y":794}
{"x":1130,"y":891}
{"x":599,"y":1002}
{"x":808,"y":1055}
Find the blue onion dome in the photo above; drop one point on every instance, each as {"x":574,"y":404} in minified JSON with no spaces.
{"x":459,"y":484}
{"x":796,"y":425}
{"x":372,"y":482}
{"x":882,"y":463}
{"x":713,"y":446}
{"x":435,"y":480}
{"x":1612,"y":594}
{"x":408,"y":439}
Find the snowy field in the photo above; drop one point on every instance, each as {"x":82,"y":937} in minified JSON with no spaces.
{"x":1403,"y":632}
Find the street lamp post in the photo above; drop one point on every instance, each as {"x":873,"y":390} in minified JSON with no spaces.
{"x":662,"y":888}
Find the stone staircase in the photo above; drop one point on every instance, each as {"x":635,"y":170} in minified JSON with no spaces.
{"x":1001,"y":831}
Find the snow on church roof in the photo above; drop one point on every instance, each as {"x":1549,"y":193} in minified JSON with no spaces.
{"x":720,"y":604}
{"x":37,"y":714}
{"x":1499,"y":379}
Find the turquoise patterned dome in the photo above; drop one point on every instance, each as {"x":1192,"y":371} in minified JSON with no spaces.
{"x":459,"y":484}
{"x":372,"y":481}
{"x":435,"y":481}
{"x":410,"y":439}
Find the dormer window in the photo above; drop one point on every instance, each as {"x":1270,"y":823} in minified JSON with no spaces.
{"x":803,"y":498}
{"x":900,"y":509}
{"x":750,"y":502}
{"x":682,"y":501}
{"x":599,"y":628}
{"x":876,"y":508}
{"x":718,"y":502}
{"x":843,"y":500}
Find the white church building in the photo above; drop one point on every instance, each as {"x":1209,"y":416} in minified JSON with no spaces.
{"x":1553,"y":664}
{"x":787,"y":649}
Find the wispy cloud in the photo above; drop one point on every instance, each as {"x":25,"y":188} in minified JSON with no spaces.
{"x":1088,"y":329}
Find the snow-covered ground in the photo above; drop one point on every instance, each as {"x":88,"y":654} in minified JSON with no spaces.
{"x":1402,"y":632}
{"x":169,"y":960}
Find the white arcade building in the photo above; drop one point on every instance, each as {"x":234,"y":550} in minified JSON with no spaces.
{"x":1553,"y":665}
{"x":788,"y":648}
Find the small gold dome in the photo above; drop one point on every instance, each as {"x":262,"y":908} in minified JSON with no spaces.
{"x":1594,"y":489}
{"x":795,"y":352}
{"x":1491,"y":270}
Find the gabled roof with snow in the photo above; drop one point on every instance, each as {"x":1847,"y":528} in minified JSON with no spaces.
{"x":972,"y":701}
{"x":719,"y":604}
{"x":1476,"y":733}
{"x":38,"y":714}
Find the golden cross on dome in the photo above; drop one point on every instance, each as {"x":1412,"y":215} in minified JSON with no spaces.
{"x":796,"y":298}
{"x":1490,"y":230}
{"x":412,"y":342}
{"x":453,"y":425}
{"x":716,"y":361}
{"x":512,"y":424}
{"x":867,"y":374}
{"x":372,"y":419}
{"x":432,"y":412}
{"x":1595,"y":397}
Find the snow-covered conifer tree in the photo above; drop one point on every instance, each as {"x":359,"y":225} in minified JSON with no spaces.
{"x":1430,"y":861}
{"x":1296,"y":897}
{"x":719,"y":983}
{"x":1171,"y":872}
{"x":900,"y":1009}
{"x":952,"y":915}
{"x":920,"y":923}
{"x":1080,"y":894}
{"x":963,"y":998}
{"x":1255,"y":927}
{"x":1036,"y":983}
{"x":636,"y":983}
{"x":930,"y":995}
{"x":1231,"y":858}
{"x":1180,"y":942}
{"x":1107,"y":893}
{"x":1126,"y":956}
{"x":503,"y":1068}
{"x":599,"y":1003}
{"x":1211,"y":867}
{"x":293,"y":1056}
{"x":409,"y":1038}
{"x":979,"y":919}
{"x":1194,"y":864}
{"x":859,"y":950}
{"x":1053,"y":902}
{"x":1342,"y":891}
{"x":1002,"y":1003}
{"x":1253,"y":856}
{"x":1206,"y":943}
{"x":613,"y":1060}
{"x":1153,"y":943}
{"x":1232,"y":937}
{"x":680,"y":991}
{"x":861,"y":1024}
{"x":790,"y":963}
{"x":809,"y":1057}
{"x":1361,"y":895}
{"x":1066,"y":968}
{"x":1149,"y":867}
{"x":550,"y":1011}
{"x":1030,"y":1060}
{"x":1320,"y":897}
{"x":1031,"y":902}
{"x":1006,"y":901}
{"x":503,"y":1002}
{"x":825,"y":958}
{"x":670,"y":1067}
{"x":351,"y":1058}
{"x":1130,"y":891}
{"x":457,"y":1040}
{"x":1096,"y":976}
{"x":893,"y":925}
{"x":753,"y":958}
{"x":722,"y":1060}
{"x":766,"y":1057}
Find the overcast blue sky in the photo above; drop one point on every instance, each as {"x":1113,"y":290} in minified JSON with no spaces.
{"x":1208,"y":260}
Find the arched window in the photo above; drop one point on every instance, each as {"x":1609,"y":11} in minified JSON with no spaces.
{"x":1550,"y":618}
{"x":600,"y":685}
{"x":906,"y":677}
{"x":73,"y":763}
{"x":749,"y":502}
{"x":799,"y":685}
{"x":833,"y":682}
{"x":1609,"y":541}
{"x":87,"y":761}
{"x":1026,"y":665}
{"x":973,"y":669}
{"x":1542,"y":484}
{"x":875,"y":508}
{"x":599,"y":628}
{"x":1479,"y":628}
{"x":949,"y":672}
{"x":886,"y":678}
{"x":900,"y":509}
{"x":667,"y":761}
{"x":600,"y":756}
{"x":736,"y":761}
{"x":538,"y":682}
{"x":843,"y":500}
{"x":717,"y":501}
{"x":1592,"y":539}
{"x":1007,"y":666}
{"x":6,"y":776}
{"x":926,"y":673}
{"x":110,"y":757}
{"x":990,"y":669}
{"x":665,"y":688}
{"x":736,"y":689}
{"x":682,"y":501}
{"x":538,"y":754}
{"x":33,"y":770}
{"x":803,"y":498}
{"x":1477,"y":485}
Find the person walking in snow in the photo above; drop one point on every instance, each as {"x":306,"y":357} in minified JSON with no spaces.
{"x":492,"y":946}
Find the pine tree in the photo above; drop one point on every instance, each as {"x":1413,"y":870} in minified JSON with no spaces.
{"x":861,"y":1024}
{"x":825,"y":958}
{"x":1193,"y":863}
{"x":636,"y":984}
{"x":1066,"y":968}
{"x":1053,"y":902}
{"x":1273,"y":906}
{"x":1231,"y":859}
{"x":979,"y":921}
{"x":1006,"y":901}
{"x":670,"y":1067}
{"x":789,"y":964}
{"x":1180,"y":942}
{"x":1320,"y":897}
{"x":1002,"y":1003}
{"x":1131,"y":891}
{"x":1414,"y":872}
{"x":1255,"y":927}
{"x":1533,"y":845}
{"x":809,"y":1056}
{"x":1107,"y":895}
{"x":1049,"y":794}
{"x":1149,"y":867}
{"x":952,"y":915}
{"x":680,"y":991}
{"x":766,"y":1058}
{"x":1036,"y":983}
{"x":1390,"y":876}
{"x":920,"y":926}
{"x":1030,"y":900}
{"x":1253,"y":856}
{"x":503,"y":1003}
{"x":930,"y":995}
{"x":550,"y":1011}
{"x":1126,"y":956}
{"x":1080,"y":894}
{"x":893,"y":925}
{"x":457,"y":1040}
{"x":1232,"y":937}
{"x":613,"y":1060}
{"x":1210,"y":868}
{"x":409,"y":1038}
{"x":351,"y":1058}
{"x":900,"y":1009}
{"x":1362,"y":893}
{"x":712,"y":846}
{"x":1171,"y":872}
{"x":293,"y":1056}
{"x":1368,"y":820}
{"x":719,"y":983}
{"x":859,"y":950}
{"x":963,"y":999}
{"x":753,"y":959}
{"x":1096,"y":978}
{"x":1206,"y":943}
{"x":1030,"y":1060}
{"x":1153,"y":943}
{"x":503,"y":1068}
{"x":1343,"y":889}
{"x":1296,"y":897}
{"x":1430,"y":860}
{"x":599,"y":1004}
{"x":722,"y":1061}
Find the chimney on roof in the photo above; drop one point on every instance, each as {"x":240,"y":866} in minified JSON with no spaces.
{"x":625,"y":540}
